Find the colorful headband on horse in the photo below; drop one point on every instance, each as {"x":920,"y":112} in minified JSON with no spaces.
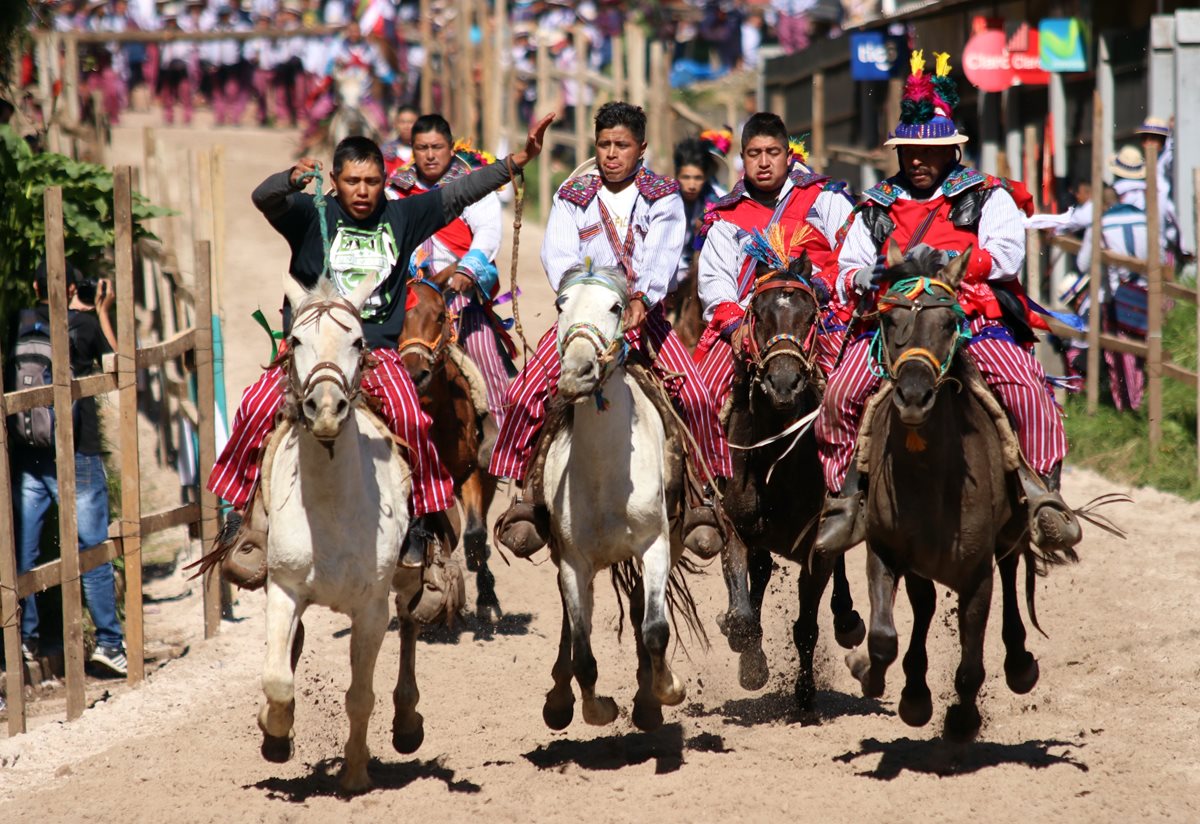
{"x":772,"y":249}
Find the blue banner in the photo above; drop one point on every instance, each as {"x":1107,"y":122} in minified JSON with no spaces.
{"x":873,"y":55}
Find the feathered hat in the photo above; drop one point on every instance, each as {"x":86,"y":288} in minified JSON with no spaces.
{"x":927,"y":107}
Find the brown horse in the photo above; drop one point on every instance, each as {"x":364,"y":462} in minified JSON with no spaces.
{"x":684,"y":311}
{"x":942,"y":504}
{"x":459,"y":431}
{"x":775,"y":494}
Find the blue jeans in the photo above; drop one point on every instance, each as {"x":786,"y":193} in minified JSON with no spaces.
{"x":36,"y":480}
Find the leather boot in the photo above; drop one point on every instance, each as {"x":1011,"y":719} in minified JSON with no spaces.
{"x":416,"y":543}
{"x":843,"y":519}
{"x":524,"y":528}
{"x":1052,"y":524}
{"x":702,"y":533}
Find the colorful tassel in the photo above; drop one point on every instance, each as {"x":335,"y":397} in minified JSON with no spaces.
{"x":913,"y":442}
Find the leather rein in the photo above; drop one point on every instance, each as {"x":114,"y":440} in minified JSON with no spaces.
{"x":783,"y":345}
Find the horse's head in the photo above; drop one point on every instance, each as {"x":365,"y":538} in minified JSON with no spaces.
{"x":428,"y":330}
{"x":591,"y":303}
{"x":351,"y":81}
{"x":781,"y":330}
{"x":325,"y":350}
{"x":921,"y":327}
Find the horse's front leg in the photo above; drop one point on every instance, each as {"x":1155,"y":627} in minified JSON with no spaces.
{"x":738,"y":623}
{"x":1020,"y":667}
{"x":870,"y":666}
{"x":408,"y":727}
{"x":559,"y":708}
{"x":284,"y":630}
{"x":848,"y":627}
{"x":475,"y":545}
{"x":916,"y":704}
{"x":805,"y":631}
{"x":575,"y":579}
{"x":974,"y":602}
{"x":753,"y":670}
{"x":665,"y":686}
{"x":367,"y":628}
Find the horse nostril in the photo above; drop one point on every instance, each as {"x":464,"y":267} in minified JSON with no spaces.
{"x":341,"y":406}
{"x":785,"y":384}
{"x":310,"y":407}
{"x":421,"y":377}
{"x":585,"y":370}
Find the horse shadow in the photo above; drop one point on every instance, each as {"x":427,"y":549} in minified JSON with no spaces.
{"x":323,"y":780}
{"x":780,"y":706}
{"x":511,"y":623}
{"x":939,"y":757}
{"x":614,"y":752}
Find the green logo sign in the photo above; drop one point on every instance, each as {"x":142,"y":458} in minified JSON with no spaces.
{"x":1060,"y":42}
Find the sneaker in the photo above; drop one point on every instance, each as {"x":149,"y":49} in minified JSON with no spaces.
{"x":29,"y":651}
{"x":111,"y":659}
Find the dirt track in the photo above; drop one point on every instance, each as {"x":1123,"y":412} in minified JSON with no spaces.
{"x":1109,"y":734}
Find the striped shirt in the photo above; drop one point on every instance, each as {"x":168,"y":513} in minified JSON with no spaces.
{"x":1122,"y":229}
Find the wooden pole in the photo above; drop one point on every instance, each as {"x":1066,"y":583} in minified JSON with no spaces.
{"x":70,"y":88}
{"x":1154,"y":307}
{"x":543,"y":100}
{"x":127,"y":404}
{"x":217,"y":191}
{"x":635,"y":40}
{"x":620,"y":90}
{"x":1196,"y":212}
{"x":496,"y":58}
{"x":657,"y":102}
{"x":64,"y":436}
{"x":582,"y":143}
{"x":464,"y":68}
{"x":1097,"y":269}
{"x":816,"y":149}
{"x":425,"y":30}
{"x":9,"y":604}
{"x":205,"y":405}
{"x":1033,"y":238}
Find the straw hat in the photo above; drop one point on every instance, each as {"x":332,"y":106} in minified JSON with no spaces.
{"x":927,"y":107}
{"x":1155,"y":126}
{"x":1129,"y":163}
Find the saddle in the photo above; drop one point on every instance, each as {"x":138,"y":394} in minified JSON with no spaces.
{"x":471,"y":375}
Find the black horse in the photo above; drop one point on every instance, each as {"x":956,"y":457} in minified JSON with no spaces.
{"x":776,"y":492}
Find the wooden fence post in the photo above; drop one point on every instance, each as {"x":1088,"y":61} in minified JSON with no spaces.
{"x":1154,"y":307}
{"x":10,"y":611}
{"x":543,"y":98}
{"x":816,"y":149}
{"x":1097,"y":269}
{"x":582,"y":143}
{"x":1033,"y":238}
{"x":205,"y":403}
{"x":620,"y":90}
{"x":1196,"y":212}
{"x":127,"y":404}
{"x":64,"y":436}
{"x":425,"y":29}
{"x":635,"y":44}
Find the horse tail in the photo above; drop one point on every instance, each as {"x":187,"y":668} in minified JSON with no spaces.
{"x":681,"y":604}
{"x":1033,"y":568}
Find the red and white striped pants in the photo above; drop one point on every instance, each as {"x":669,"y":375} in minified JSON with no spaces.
{"x":236,"y":472}
{"x":527,"y":394}
{"x":716,"y":370}
{"x":1013,"y":374}
{"x":478,"y":337}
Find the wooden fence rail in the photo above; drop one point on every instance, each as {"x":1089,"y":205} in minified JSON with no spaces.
{"x":132,"y":527}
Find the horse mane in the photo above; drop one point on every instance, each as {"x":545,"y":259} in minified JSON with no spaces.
{"x":923,"y":261}
{"x":325,"y":290}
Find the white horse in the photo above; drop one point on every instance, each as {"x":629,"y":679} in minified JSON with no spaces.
{"x":336,"y":491}
{"x":607,"y":498}
{"x":351,"y":84}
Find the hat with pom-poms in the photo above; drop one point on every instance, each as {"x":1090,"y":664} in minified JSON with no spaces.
{"x":927,"y":107}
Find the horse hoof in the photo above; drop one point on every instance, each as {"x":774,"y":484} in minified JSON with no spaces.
{"x":558,"y":716}
{"x":742,"y":632}
{"x":647,"y":715}
{"x":354,"y":784}
{"x":962,"y":723}
{"x":1023,"y":675}
{"x":409,"y":741}
{"x":806,"y":693}
{"x":600,"y":711}
{"x":277,"y":749}
{"x":849,"y":630}
{"x":916,"y":707}
{"x":753,"y":670}
{"x":475,"y":549}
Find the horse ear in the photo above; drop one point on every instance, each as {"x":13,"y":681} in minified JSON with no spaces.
{"x":294,"y":291}
{"x":952,"y":273}
{"x":362,"y":291}
{"x":804,"y":265}
{"x":894,"y":256}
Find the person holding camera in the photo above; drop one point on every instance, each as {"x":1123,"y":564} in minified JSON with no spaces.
{"x":35,"y":476}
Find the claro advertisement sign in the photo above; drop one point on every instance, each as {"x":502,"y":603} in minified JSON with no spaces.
{"x":994,"y":61}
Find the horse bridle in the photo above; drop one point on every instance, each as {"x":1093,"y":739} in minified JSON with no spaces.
{"x":801,"y":350}
{"x":325,"y":371}
{"x":608,"y":352}
{"x":432,"y":352}
{"x":918,"y":294}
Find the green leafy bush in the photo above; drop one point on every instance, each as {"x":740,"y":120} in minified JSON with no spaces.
{"x":87,"y":216}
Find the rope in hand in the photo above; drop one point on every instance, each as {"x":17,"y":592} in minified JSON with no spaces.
{"x":517,"y":175}
{"x":319,"y":202}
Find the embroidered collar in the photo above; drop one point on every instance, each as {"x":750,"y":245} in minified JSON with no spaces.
{"x":405,"y":178}
{"x":958,"y":181}
{"x":582,"y":189}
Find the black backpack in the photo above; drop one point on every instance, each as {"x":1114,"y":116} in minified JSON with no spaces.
{"x":31,"y":368}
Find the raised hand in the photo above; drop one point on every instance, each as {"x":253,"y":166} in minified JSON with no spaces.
{"x":533,"y":143}
{"x":303,"y":166}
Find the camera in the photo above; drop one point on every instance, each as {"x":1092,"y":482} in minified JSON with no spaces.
{"x":85,"y":290}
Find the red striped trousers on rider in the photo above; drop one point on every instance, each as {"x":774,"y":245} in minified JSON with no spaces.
{"x":478,"y":337}
{"x":1012,"y":373}
{"x":527,"y":394}
{"x":235,"y":475}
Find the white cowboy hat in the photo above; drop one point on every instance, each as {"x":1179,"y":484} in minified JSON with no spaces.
{"x":1155,"y":126}
{"x":1129,"y":163}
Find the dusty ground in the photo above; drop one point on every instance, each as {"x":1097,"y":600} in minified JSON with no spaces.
{"x":1109,"y":734}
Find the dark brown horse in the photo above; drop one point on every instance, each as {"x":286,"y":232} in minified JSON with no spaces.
{"x":684,"y":311}
{"x":941,"y":503}
{"x":458,"y":430}
{"x":775,"y":494}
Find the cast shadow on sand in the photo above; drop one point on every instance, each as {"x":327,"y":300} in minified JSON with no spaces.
{"x":780,"y":706}
{"x":512,"y":623}
{"x":937,"y":756}
{"x":323,"y":780}
{"x":614,"y":752}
